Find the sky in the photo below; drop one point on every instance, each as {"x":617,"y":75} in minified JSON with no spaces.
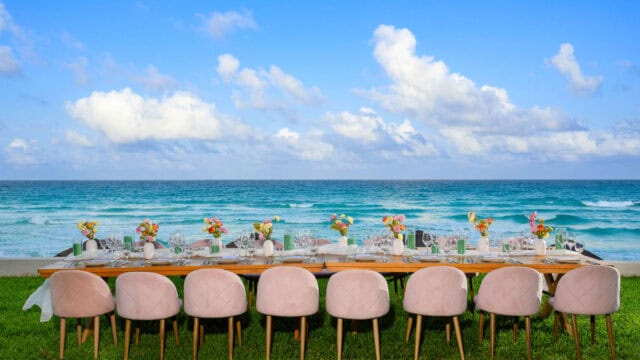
{"x":319,"y":90}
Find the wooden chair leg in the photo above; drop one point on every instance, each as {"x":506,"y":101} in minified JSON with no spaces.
{"x":576,"y":335}
{"x":409,"y":325}
{"x":63,"y":333}
{"x":376,"y":338}
{"x":556,"y":321}
{"x":456,"y":327}
{"x":127,"y":338}
{"x":79,"y":331}
{"x":447,"y":331}
{"x":339,"y":338}
{"x":354,"y":326}
{"x":230,"y":326}
{"x":96,"y":336}
{"x":137,"y":335}
{"x":114,"y":332}
{"x":303,"y":335}
{"x":268,"y":334}
{"x":592,"y":321}
{"x":201,"y":334}
{"x":612,"y":344}
{"x":492,"y":331}
{"x":175,"y":331}
{"x":195,"y":337}
{"x":515,"y":329}
{"x":527,"y":326}
{"x":162,"y":326}
{"x":416,"y":349}
{"x":481,"y":327}
{"x":239,"y":331}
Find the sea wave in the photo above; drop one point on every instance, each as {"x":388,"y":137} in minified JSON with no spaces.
{"x":301,"y":205}
{"x":563,"y":219}
{"x":609,"y":204}
{"x":37,"y":220}
{"x":610,"y":231}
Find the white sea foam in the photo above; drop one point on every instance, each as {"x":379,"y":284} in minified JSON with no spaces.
{"x":301,"y":205}
{"x":39,"y":220}
{"x":609,"y":204}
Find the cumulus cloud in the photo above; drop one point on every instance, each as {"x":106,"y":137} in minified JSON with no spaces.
{"x":22,"y":151}
{"x":9,"y":66}
{"x":76,"y":139}
{"x":271,"y":89}
{"x":565,"y":62}
{"x":307,"y":147}
{"x":218,"y":24}
{"x":125,"y":117}
{"x":153,"y":80}
{"x":78,"y":68}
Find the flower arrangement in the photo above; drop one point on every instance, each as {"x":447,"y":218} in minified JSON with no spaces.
{"x":482,"y":225}
{"x":265,"y":228}
{"x":214,"y":227}
{"x":539,"y":230}
{"x":395,"y":224}
{"x":341,"y":223}
{"x":147,"y":230}
{"x":88,"y":228}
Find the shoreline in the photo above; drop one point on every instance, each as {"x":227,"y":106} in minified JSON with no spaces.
{"x":28,"y":266}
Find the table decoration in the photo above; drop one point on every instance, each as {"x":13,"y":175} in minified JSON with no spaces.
{"x":265,"y":229}
{"x":148,"y":232}
{"x":341,"y":224}
{"x":214,"y":227}
{"x":395,"y":223}
{"x":88,"y":229}
{"x":540,"y":231}
{"x":482,"y":225}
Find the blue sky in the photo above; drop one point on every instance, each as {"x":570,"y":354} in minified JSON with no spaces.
{"x":331,"y":89}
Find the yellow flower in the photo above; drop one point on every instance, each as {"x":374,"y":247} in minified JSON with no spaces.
{"x":342,"y":216}
{"x":276,"y":218}
{"x":350,"y":220}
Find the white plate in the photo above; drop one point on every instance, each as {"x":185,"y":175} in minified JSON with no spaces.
{"x":568,"y":259}
{"x":293,"y":259}
{"x":159,"y":261}
{"x":227,"y":260}
{"x":431,"y":259}
{"x":493,"y":259}
{"x":96,"y":263}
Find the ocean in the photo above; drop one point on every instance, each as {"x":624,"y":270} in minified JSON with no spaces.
{"x":38,"y":218}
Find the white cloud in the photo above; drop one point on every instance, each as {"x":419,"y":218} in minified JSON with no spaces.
{"x":8,"y":63}
{"x":308,"y":147}
{"x":565,"y":62}
{"x":125,"y":117}
{"x":265,"y":90}
{"x":76,"y":139}
{"x":22,"y":151}
{"x":219,"y":24}
{"x":78,"y":68}
{"x":363,"y":126}
{"x":70,"y":41}
{"x":153,"y":80}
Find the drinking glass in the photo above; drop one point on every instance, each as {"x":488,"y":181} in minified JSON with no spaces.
{"x":580,"y":245}
{"x":507,"y":246}
{"x":313,"y":248}
{"x":448,"y":245}
{"x":251,"y":248}
{"x":571,"y":241}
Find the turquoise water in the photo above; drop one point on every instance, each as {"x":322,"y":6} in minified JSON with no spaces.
{"x":37,"y":218}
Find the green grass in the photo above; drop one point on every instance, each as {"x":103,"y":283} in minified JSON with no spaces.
{"x":24,"y":337}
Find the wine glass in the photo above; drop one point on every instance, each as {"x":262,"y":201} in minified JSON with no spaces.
{"x":571,"y":241}
{"x":448,"y":244}
{"x":507,"y":246}
{"x":251,"y":248}
{"x":313,"y":248}
{"x":580,"y":245}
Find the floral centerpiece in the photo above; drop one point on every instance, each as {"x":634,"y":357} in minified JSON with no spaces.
{"x":214,"y":227}
{"x":539,"y":229}
{"x":341,"y":223}
{"x":88,"y":228}
{"x":147,"y":230}
{"x":482,"y":225}
{"x":265,"y":228}
{"x":395,"y":224}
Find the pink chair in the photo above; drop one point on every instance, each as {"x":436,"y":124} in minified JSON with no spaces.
{"x":436,"y":291}
{"x":214,"y":293}
{"x":287,"y":291}
{"x":589,"y":290}
{"x":512,"y":291}
{"x":146,"y":296}
{"x":357,"y":295}
{"x":80,"y":294}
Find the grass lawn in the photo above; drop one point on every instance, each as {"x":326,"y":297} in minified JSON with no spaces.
{"x":24,"y":337}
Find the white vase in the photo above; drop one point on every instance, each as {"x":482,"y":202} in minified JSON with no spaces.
{"x":267,"y":247}
{"x":483,"y":244}
{"x":541,"y":247}
{"x":398,"y":247}
{"x":91,"y":247}
{"x":343,"y":241}
{"x":149,"y":250}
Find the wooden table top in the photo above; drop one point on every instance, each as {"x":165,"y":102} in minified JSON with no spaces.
{"x":324,"y":263}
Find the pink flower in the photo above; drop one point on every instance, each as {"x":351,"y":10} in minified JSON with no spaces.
{"x":401,"y":218}
{"x":139,"y":230}
{"x":266,"y":221}
{"x":333,"y":217}
{"x":85,"y":232}
{"x":149,"y":238}
{"x":396,"y":229}
{"x":532,"y":221}
{"x":223,"y":230}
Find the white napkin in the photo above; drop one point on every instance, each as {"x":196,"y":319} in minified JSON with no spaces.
{"x":42,"y":298}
